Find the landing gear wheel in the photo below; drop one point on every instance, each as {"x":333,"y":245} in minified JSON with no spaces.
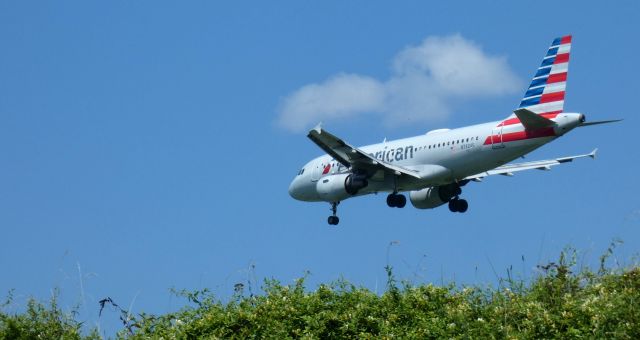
{"x":396,"y":201}
{"x":463,"y":206}
{"x":453,"y":205}
{"x":458,"y":205}
{"x":391,"y":200}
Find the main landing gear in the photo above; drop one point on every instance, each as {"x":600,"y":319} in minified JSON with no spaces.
{"x":395,"y":200}
{"x":458,"y":205}
{"x":333,"y":219}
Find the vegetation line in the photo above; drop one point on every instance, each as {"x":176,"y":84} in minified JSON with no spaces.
{"x":563,"y":301}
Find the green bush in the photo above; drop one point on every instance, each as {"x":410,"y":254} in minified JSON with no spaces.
{"x":557,"y":304}
{"x":561,"y":302}
{"x":41,"y":321}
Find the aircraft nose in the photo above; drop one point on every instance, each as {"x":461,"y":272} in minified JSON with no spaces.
{"x":293,"y":189}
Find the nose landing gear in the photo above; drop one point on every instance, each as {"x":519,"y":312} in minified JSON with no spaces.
{"x":333,"y":219}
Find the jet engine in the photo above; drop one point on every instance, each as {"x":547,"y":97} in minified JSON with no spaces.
{"x":335,"y":188}
{"x":432,"y":197}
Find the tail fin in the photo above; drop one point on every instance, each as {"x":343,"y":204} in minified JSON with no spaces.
{"x":545,"y":94}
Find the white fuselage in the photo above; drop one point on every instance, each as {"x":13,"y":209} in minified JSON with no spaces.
{"x":443,"y":156}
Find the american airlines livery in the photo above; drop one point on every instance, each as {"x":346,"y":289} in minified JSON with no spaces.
{"x":433,"y":167}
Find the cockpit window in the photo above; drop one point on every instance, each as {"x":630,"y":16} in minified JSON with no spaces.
{"x":301,"y":172}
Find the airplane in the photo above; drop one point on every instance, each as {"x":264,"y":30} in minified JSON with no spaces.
{"x":435,"y":166}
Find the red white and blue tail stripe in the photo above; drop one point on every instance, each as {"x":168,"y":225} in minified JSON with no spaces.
{"x":545,"y":94}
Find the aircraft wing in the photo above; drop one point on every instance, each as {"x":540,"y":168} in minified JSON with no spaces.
{"x":509,"y":169}
{"x":353,"y":157}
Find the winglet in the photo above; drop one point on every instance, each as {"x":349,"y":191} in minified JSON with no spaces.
{"x":318,"y":128}
{"x":593,"y":153}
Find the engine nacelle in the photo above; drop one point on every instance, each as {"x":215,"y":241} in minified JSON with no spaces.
{"x":335,"y":188}
{"x":353,"y":183}
{"x":428,"y":198}
{"x":432,"y":197}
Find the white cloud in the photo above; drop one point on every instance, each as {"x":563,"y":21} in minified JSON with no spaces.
{"x":425,"y":83}
{"x":340,"y":96}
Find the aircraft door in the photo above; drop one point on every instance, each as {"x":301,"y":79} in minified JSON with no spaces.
{"x":317,"y":170}
{"x":496,"y":137}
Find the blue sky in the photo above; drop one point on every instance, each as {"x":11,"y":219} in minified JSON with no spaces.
{"x":142,"y":150}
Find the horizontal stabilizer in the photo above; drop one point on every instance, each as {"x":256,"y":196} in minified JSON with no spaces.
{"x":531,"y":120}
{"x":600,"y":122}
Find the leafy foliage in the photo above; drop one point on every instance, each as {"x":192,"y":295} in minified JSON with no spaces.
{"x":561,"y":302}
{"x":557,"y":304}
{"x":41,"y":321}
